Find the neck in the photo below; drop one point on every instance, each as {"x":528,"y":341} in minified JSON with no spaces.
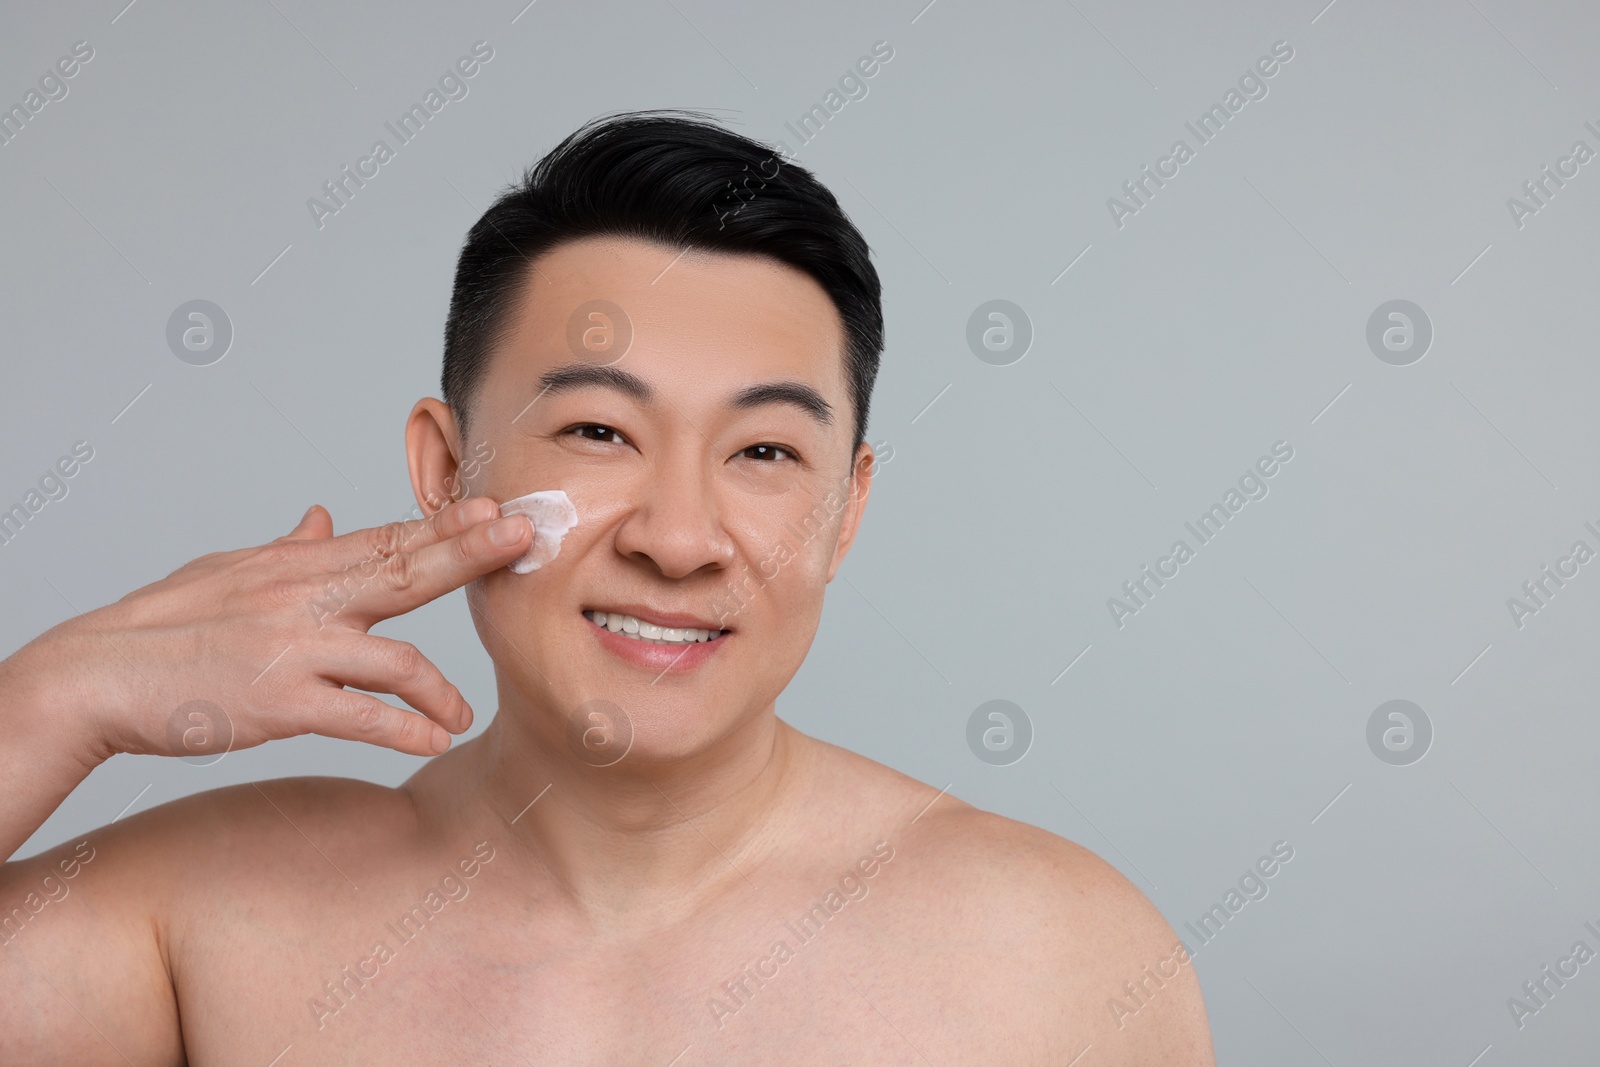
{"x":639,"y":840}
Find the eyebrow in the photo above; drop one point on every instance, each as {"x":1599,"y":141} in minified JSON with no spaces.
{"x":582,"y":375}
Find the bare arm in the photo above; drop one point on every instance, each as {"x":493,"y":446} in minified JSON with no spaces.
{"x":268,"y":638}
{"x":43,"y":757}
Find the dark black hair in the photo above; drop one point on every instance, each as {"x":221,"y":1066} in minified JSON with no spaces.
{"x":678,"y":178}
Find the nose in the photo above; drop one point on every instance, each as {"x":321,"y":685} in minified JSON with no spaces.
{"x":676,"y":525}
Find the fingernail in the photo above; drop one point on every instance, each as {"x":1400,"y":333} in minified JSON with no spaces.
{"x":508,"y":531}
{"x":441,"y":740}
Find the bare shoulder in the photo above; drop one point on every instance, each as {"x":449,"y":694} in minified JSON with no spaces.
{"x":250,"y":822}
{"x":1058,"y":937}
{"x":1091,"y":950}
{"x":196,"y":854}
{"x":137,"y":896}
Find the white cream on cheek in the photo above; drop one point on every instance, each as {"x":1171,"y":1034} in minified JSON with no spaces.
{"x":552,"y":515}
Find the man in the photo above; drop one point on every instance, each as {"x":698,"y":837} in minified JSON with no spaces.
{"x":637,"y":861}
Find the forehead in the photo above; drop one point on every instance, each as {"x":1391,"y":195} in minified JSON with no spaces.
{"x":698,"y":317}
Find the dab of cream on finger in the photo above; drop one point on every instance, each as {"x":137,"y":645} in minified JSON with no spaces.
{"x":552,"y":515}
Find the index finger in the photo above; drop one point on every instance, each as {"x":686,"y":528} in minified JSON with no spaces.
{"x":420,"y":572}
{"x":380,"y":543}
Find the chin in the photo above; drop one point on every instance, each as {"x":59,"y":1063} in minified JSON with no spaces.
{"x":663,"y":728}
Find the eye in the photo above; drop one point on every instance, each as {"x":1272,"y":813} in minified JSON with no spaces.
{"x":769,"y":453}
{"x":599,"y":431}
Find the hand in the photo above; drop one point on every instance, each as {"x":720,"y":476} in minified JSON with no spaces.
{"x":271,"y":635}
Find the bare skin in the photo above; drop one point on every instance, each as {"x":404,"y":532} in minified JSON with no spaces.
{"x":613,"y":892}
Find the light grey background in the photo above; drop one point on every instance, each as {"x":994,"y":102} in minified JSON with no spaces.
{"x":1227,"y":314}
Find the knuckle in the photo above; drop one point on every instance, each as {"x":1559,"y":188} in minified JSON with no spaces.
{"x":284,"y":593}
{"x":407,"y":730}
{"x":200,"y":563}
{"x":400,"y":573}
{"x":388,"y":539}
{"x":437,"y":525}
{"x":409,"y":663}
{"x":366,"y":714}
{"x":474,"y":543}
{"x":470,"y":546}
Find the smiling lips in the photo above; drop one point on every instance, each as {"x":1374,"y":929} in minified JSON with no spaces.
{"x":651,"y":644}
{"x":653,"y":633}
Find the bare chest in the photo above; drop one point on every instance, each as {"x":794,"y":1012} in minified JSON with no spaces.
{"x":786,"y":978}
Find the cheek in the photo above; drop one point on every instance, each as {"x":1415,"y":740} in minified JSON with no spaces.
{"x":510,"y":610}
{"x":516,"y":627}
{"x":810,"y":566}
{"x":492,"y":609}
{"x":791,"y":552}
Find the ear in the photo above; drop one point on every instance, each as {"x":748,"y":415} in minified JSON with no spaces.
{"x":866,"y":463}
{"x":433,"y":455}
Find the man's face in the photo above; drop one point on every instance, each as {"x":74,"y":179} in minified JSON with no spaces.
{"x":699,"y":500}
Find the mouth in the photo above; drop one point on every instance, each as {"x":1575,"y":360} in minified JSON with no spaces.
{"x":654,"y":633}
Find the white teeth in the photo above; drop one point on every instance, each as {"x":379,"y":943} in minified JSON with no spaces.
{"x":629,"y":626}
